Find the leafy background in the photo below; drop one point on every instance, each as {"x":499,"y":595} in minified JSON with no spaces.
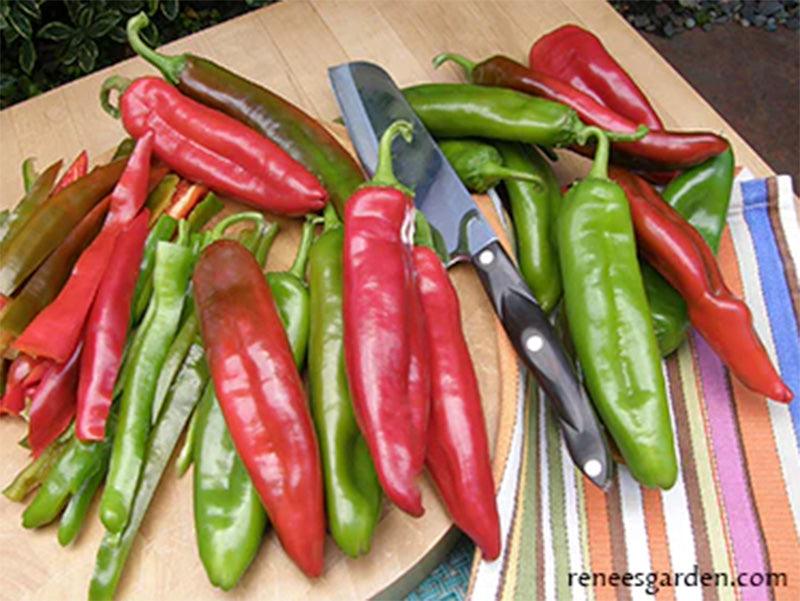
{"x":46,"y":43}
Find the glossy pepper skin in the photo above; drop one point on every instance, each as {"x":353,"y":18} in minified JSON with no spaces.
{"x":479,"y":165}
{"x":458,"y":448}
{"x":75,"y":171}
{"x":682,"y":256}
{"x":106,"y":332}
{"x":377,"y":325}
{"x":207,"y":146}
{"x":262,"y":397}
{"x":658,"y":150}
{"x":40,"y":190}
{"x":610,"y":323}
{"x":578,"y":58}
{"x":297,"y":133}
{"x":701,"y":195}
{"x":534,"y":207}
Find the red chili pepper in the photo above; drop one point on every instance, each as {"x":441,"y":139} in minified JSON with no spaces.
{"x":75,"y":171}
{"x":106,"y":331}
{"x":23,"y":375}
{"x":419,"y":375}
{"x":208,"y":146}
{"x":377,"y":291}
{"x":53,"y":403}
{"x":578,"y":58}
{"x":658,"y":150}
{"x":262,"y":398}
{"x":683,"y":257}
{"x":55,"y":332}
{"x":186,"y":196}
{"x":458,"y":448}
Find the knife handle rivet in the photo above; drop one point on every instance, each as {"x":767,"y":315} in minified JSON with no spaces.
{"x":592,"y":468}
{"x":534,"y":343}
{"x":486,"y":257}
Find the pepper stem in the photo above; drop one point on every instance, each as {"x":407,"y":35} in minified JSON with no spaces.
{"x":384,"y":174}
{"x":330,"y":218}
{"x":266,"y":237}
{"x":600,"y":166}
{"x":500,"y":172}
{"x":423,"y":235}
{"x":170,"y":66}
{"x":619,"y":136}
{"x":219,"y":228}
{"x":115,"y":82}
{"x":298,"y":268}
{"x":462,"y":61}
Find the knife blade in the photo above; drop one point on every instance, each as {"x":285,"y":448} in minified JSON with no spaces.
{"x":370,"y":101}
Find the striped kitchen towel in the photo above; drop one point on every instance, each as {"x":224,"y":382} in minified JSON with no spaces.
{"x":731,"y":525}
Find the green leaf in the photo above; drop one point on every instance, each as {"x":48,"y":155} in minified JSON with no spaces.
{"x":27,"y":56}
{"x":3,"y":22}
{"x":21,"y":24}
{"x":10,"y":35}
{"x":85,"y":15}
{"x":30,"y":8}
{"x":87,"y":55}
{"x":104,"y":23}
{"x":73,"y":8}
{"x":56,"y":31}
{"x":170,"y":9}
{"x":150,"y":34}
{"x":70,"y":55}
{"x":119,"y":35}
{"x":131,"y":6}
{"x":152,"y":7}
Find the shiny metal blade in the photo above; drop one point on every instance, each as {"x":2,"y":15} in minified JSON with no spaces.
{"x":370,"y":101}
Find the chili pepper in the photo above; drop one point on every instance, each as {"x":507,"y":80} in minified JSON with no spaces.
{"x":43,"y":286}
{"x":34,"y":473}
{"x":19,"y":216}
{"x":124,"y":149}
{"x":76,"y":170}
{"x":51,"y":223}
{"x":578,"y":58}
{"x":106,"y":331}
{"x":186,"y":197}
{"x":610,"y":323}
{"x":201,"y":214}
{"x":682,"y":256}
{"x":533,"y":211}
{"x":479,"y":165}
{"x":18,"y":386}
{"x":54,"y":333}
{"x":175,"y":356}
{"x":701,"y":195}
{"x":262,"y":397}
{"x":161,"y":196}
{"x":458,"y":448}
{"x":207,"y":146}
{"x":77,"y":508}
{"x":659,"y":150}
{"x":377,"y":326}
{"x":114,"y":548}
{"x":3,"y":372}
{"x":293,"y":130}
{"x":419,"y":376}
{"x":162,"y":231}
{"x":29,"y":173}
{"x":186,"y":453}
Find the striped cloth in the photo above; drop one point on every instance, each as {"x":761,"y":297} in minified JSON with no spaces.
{"x":735,"y":510}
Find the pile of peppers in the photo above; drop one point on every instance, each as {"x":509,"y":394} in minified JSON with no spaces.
{"x":133,"y":309}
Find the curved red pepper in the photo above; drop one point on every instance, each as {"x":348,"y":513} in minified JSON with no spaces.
{"x":458,"y":448}
{"x":106,"y":331}
{"x":262,"y":398}
{"x":419,"y":376}
{"x":577,"y":57}
{"x":207,"y":146}
{"x":75,"y":171}
{"x":683,"y":257}
{"x":53,"y":403}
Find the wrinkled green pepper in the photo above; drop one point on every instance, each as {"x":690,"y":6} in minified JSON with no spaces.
{"x":609,"y":320}
{"x":479,"y":165}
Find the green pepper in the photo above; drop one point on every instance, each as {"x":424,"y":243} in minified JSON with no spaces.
{"x":39,"y":191}
{"x":124,"y":149}
{"x":352,"y":491}
{"x":534,"y":208}
{"x":173,"y":267}
{"x":701,"y":195}
{"x":74,"y":515}
{"x":159,"y":199}
{"x":115,"y":548}
{"x":204,"y":212}
{"x":479,"y":164}
{"x":29,"y":174}
{"x":609,"y":320}
{"x":33,"y":474}
{"x":162,"y":231}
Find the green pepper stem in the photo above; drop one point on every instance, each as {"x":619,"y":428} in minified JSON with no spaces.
{"x":500,"y":172}
{"x":298,"y":268}
{"x":618,"y":136}
{"x":269,"y":231}
{"x":184,"y":234}
{"x":330,"y":217}
{"x":115,"y":82}
{"x":224,"y":224}
{"x":600,"y":165}
{"x":384,"y":174}
{"x":170,"y":66}
{"x":423,"y":235}
{"x":462,"y":61}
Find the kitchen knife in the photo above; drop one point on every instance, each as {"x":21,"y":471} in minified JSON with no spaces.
{"x":370,"y":102}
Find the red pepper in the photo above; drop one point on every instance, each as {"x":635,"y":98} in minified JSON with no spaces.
{"x":377,"y":292}
{"x":207,"y":146}
{"x":74,"y":172}
{"x":458,"y":448}
{"x":55,"y":332}
{"x":658,"y":150}
{"x":419,"y":376}
{"x":578,"y":58}
{"x":261,"y":395}
{"x":683,"y":257}
{"x":186,"y":196}
{"x":53,"y":404}
{"x":106,"y":331}
{"x":24,"y":373}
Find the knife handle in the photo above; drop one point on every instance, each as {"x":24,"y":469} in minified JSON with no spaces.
{"x":538,"y":345}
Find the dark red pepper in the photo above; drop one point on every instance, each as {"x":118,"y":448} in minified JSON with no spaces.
{"x":458,"y":448}
{"x":682,"y":256}
{"x":262,"y":397}
{"x":75,"y":171}
{"x":106,"y":331}
{"x":209,"y":147}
